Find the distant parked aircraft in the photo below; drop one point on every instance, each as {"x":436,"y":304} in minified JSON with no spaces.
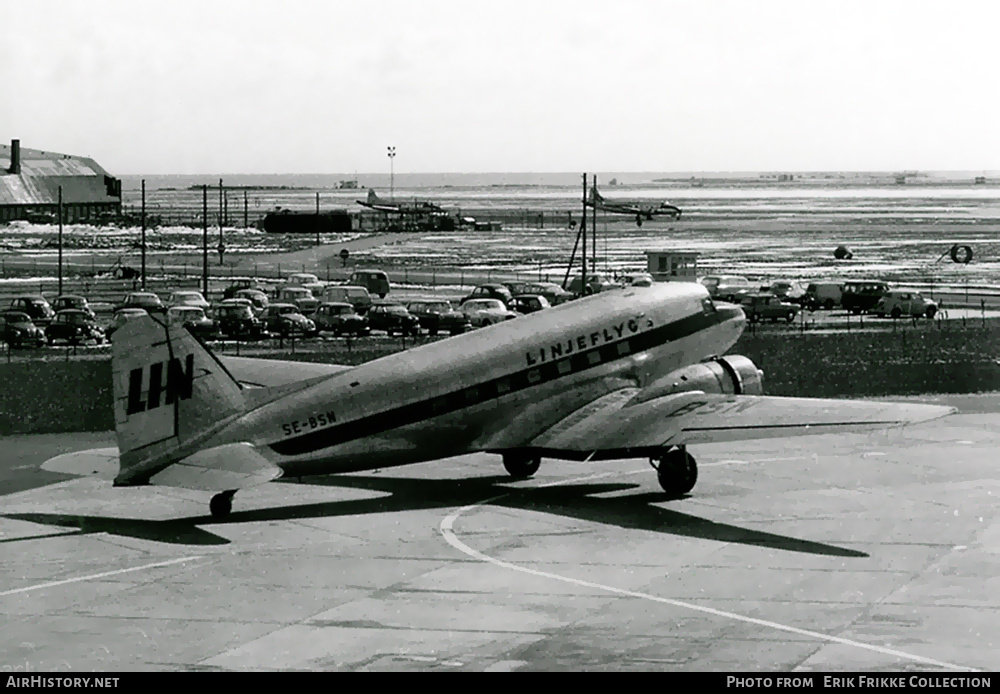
{"x":374,"y":202}
{"x":638,"y":208}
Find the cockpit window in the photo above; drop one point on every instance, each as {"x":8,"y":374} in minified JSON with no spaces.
{"x":707,"y":306}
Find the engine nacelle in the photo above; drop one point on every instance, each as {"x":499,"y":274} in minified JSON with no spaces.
{"x":732,"y":374}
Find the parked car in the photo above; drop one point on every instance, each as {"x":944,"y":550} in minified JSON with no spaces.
{"x":36,"y":307}
{"x":18,"y":330}
{"x":823,"y":295}
{"x":489,"y":291}
{"x":255,"y":296}
{"x":904,"y":302}
{"x":516,"y":288}
{"x":731,"y":288}
{"x":230,"y":291}
{"x":758,"y":307}
{"x":74,"y":326}
{"x":301,"y":297}
{"x":393,"y":318}
{"x":122,"y":316}
{"x":861,"y":296}
{"x":437,"y":315}
{"x":596,"y":282}
{"x":550,"y":290}
{"x":187,"y":297}
{"x":787,"y":290}
{"x":194,"y":318}
{"x":340,"y":318}
{"x":529,"y":303}
{"x":147,"y":301}
{"x":72,"y":301}
{"x":287,"y":320}
{"x":375,"y":281}
{"x":482,"y":312}
{"x":636,"y":279}
{"x":238,"y":321}
{"x":306,"y":280}
{"x":358,"y":297}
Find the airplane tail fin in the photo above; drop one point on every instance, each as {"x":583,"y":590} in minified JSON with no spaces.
{"x":373,"y":199}
{"x":170,"y":394}
{"x":595,"y":197}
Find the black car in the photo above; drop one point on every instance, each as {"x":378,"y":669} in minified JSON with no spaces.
{"x":529,"y":303}
{"x":17,"y":330}
{"x":71,"y":301}
{"x":36,"y":307}
{"x":238,"y":321}
{"x":230,"y":291}
{"x":74,"y":326}
{"x":437,"y":315}
{"x":861,"y":296}
{"x":340,"y":318}
{"x":286,"y":320}
{"x":393,"y":318}
{"x":490,"y":291}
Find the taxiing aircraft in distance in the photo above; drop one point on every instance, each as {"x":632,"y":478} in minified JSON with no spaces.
{"x":641,"y":210}
{"x":374,"y":202}
{"x":627,"y":373}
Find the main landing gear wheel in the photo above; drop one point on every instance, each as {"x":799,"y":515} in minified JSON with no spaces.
{"x":521,"y":466}
{"x":221,"y":504}
{"x":676,"y":471}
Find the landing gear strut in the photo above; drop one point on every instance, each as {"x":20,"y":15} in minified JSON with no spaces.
{"x":522,"y":465}
{"x":676,"y":471}
{"x":221,"y":504}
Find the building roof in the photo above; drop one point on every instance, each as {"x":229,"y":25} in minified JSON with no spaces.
{"x":42,"y":173}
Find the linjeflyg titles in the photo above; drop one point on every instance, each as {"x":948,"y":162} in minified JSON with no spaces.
{"x":581,"y":343}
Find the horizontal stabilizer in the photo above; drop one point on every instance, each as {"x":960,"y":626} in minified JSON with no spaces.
{"x":97,"y":462}
{"x":221,"y":468}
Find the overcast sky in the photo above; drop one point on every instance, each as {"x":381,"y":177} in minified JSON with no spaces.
{"x":302,"y":86}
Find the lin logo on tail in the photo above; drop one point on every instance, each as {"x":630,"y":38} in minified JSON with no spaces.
{"x":179,"y":385}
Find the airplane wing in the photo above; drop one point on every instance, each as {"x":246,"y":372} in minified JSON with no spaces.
{"x":612,"y":422}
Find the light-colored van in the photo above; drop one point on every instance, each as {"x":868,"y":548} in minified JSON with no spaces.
{"x":358,"y":297}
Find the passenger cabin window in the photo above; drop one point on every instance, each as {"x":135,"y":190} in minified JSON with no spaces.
{"x":707,"y":306}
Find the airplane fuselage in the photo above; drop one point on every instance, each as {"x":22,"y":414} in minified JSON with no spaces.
{"x":492,"y":389}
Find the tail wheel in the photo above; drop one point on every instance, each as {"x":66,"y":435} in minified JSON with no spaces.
{"x":676,"y":471}
{"x":221,"y":504}
{"x":521,"y":466}
{"x":931,"y":311}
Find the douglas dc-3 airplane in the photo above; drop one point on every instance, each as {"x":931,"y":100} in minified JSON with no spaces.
{"x":374,"y":202}
{"x":627,"y":373}
{"x":639,"y":209}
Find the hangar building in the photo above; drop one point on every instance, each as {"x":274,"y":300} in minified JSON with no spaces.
{"x":30,"y":180}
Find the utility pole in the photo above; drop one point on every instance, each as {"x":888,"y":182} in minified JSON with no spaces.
{"x":246,"y":221}
{"x":392,"y":174}
{"x":583,"y":232}
{"x":204,"y":250}
{"x":317,"y":218}
{"x":143,"y":215}
{"x":222,"y":244}
{"x":60,"y":238}
{"x":593,"y":232}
